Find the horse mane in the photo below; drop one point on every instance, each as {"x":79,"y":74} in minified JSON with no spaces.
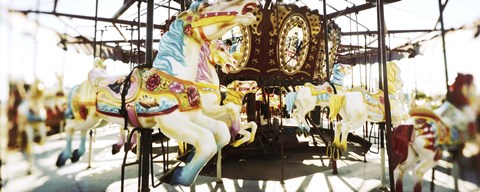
{"x":170,"y":48}
{"x":203,"y":74}
{"x":337,"y":77}
{"x":455,"y":95}
{"x":393,"y":76}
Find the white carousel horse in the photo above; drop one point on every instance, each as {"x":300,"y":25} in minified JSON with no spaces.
{"x":208,"y":84}
{"x":358,"y":106}
{"x":236,"y":91}
{"x":306,"y":98}
{"x":31,"y":118}
{"x":165,"y":96}
{"x":418,"y":143}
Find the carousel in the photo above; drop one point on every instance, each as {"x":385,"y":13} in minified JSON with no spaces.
{"x":231,"y":95}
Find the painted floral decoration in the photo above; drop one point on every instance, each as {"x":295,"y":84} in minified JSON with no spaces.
{"x":188,"y":30}
{"x":152,"y":82}
{"x":177,"y":87}
{"x":193,"y":96}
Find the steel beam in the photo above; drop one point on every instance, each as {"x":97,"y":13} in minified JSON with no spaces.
{"x":102,"y":19}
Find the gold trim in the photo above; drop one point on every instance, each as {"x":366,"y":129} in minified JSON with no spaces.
{"x":282,"y":11}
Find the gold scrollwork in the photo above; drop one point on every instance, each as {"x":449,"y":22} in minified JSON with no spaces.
{"x":282,"y":11}
{"x":255,"y":30}
{"x":315,"y":25}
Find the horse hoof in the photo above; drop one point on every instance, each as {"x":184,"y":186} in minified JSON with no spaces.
{"x":75,"y":156}
{"x":134,"y":149}
{"x":187,"y":156}
{"x":328,"y":153}
{"x":305,"y":133}
{"x":337,"y":154}
{"x":115,"y":149}
{"x":299,"y":132}
{"x":60,"y":160}
{"x":170,"y":176}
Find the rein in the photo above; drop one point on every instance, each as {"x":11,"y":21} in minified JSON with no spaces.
{"x":208,"y":19}
{"x":126,"y":86}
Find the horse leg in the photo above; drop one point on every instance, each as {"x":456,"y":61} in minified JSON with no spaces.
{"x":246,"y":137}
{"x":222,"y":138}
{"x":42,"y":131}
{"x":67,"y":152}
{"x":336,"y":140}
{"x":29,"y":146}
{"x":120,"y":142}
{"x":403,"y":167}
{"x":253,"y":126}
{"x":419,"y":171}
{"x":181,"y":128}
{"x":77,"y":153}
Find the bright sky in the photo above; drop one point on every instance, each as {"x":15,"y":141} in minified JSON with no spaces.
{"x":20,"y":54}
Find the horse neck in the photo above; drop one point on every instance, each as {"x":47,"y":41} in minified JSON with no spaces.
{"x":233,"y":96}
{"x":178,"y":54}
{"x":188,"y":71}
{"x":206,"y":72}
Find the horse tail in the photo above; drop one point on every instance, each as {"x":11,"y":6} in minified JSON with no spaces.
{"x":335,"y":103}
{"x":401,"y":137}
{"x":290,"y":100}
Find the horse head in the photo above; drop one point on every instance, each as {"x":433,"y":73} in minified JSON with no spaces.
{"x":462,"y":91}
{"x":36,"y":90}
{"x":210,"y":21}
{"x":204,"y":22}
{"x":97,"y":63}
{"x":243,"y":86}
{"x":339,"y":72}
{"x":395,"y":82}
{"x":220,"y":56}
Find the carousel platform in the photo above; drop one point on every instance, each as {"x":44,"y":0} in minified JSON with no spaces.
{"x":303,"y":170}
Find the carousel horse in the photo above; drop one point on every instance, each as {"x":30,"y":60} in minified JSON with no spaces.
{"x":208,"y":84}
{"x":236,"y":91}
{"x":165,"y":96}
{"x":306,"y":98}
{"x":418,"y":143}
{"x":56,"y":103}
{"x":31,"y":118}
{"x":358,"y":106}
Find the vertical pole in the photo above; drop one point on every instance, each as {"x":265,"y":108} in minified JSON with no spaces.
{"x":383,"y":63}
{"x":441,"y":7}
{"x":90,"y":150}
{"x":145,"y":145}
{"x":149,"y":40}
{"x":95,"y":34}
{"x":325,"y":38}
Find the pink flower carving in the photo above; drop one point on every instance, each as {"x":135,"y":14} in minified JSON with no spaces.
{"x":193,"y":96}
{"x":177,"y":87}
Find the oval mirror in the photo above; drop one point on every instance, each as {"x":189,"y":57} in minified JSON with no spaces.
{"x":293,"y":44}
{"x":238,"y":42}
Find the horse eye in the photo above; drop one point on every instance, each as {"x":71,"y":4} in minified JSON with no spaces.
{"x":206,"y":4}
{"x":222,"y":49}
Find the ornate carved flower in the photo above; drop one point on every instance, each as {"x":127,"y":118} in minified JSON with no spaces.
{"x":193,"y":96}
{"x":188,"y":30}
{"x":152,"y":82}
{"x":177,"y":87}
